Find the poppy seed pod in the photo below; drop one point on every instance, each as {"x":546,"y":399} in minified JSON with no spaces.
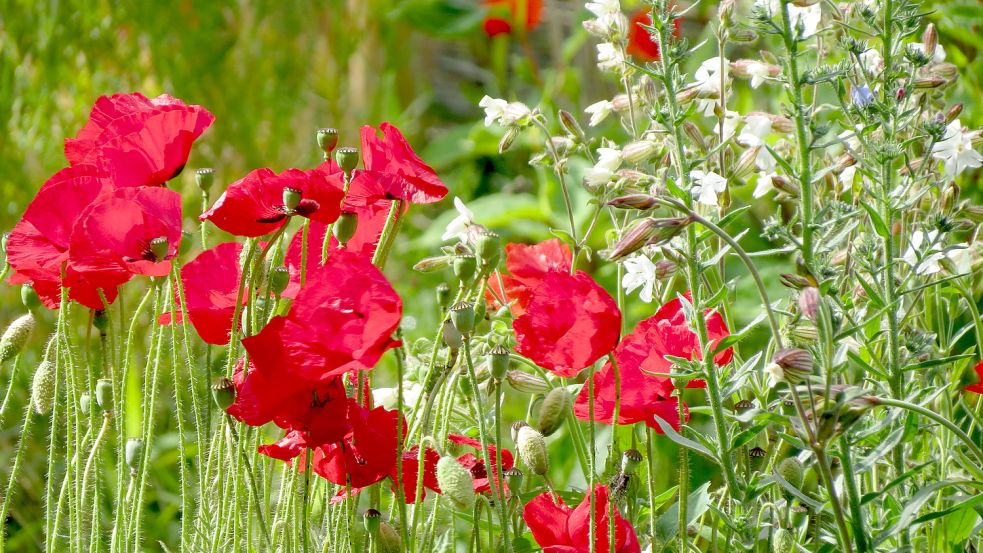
{"x":809,"y":302}
{"x":100,"y":321}
{"x":553,"y":410}
{"x":792,"y":471}
{"x":104,"y":394}
{"x":465,"y":267}
{"x":389,"y":539}
{"x":327,"y":140}
{"x":29,"y":297}
{"x":455,"y":483}
{"x":513,"y":478}
{"x":279,"y":279}
{"x":630,"y":460}
{"x":43,"y":388}
{"x":462,"y":315}
{"x":15,"y":337}
{"x":372,"y":520}
{"x":223,"y":392}
{"x":344,"y":228}
{"x":489,"y":248}
{"x":291,"y":198}
{"x":204,"y":178}
{"x":498,"y":362}
{"x":796,"y":363}
{"x":347,"y":159}
{"x":532,"y":449}
{"x":443,"y":292}
{"x":527,"y":383}
{"x":133,"y":453}
{"x":452,"y":338}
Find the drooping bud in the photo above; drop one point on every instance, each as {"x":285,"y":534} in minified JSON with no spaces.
{"x":455,"y":483}
{"x":532,"y":450}
{"x":746,"y":164}
{"x":291,"y":198}
{"x":443,"y":292}
{"x":372,"y":519}
{"x":452,"y":338}
{"x":327,"y":141}
{"x":347,"y":159}
{"x":204,"y":178}
{"x":665,"y":269}
{"x":792,"y":471}
{"x":104,"y":394}
{"x":462,"y":315}
{"x":634,"y":201}
{"x":794,"y":281}
{"x":498,"y":362}
{"x":43,"y":388}
{"x":223,"y":392}
{"x":630,"y":460}
{"x":15,"y":337}
{"x":85,"y":401}
{"x":527,"y":383}
{"x":648,"y":231}
{"x":809,"y":302}
{"x":795,"y":363}
{"x":29,"y":297}
{"x":553,"y":410}
{"x":489,"y":248}
{"x":133,"y":453}
{"x":389,"y":539}
{"x":953,"y":113}
{"x":344,"y":228}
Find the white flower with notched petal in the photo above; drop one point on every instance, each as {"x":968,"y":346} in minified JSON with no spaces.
{"x":707,"y":80}
{"x":610,"y":57}
{"x":764,"y":185}
{"x":503,"y":112}
{"x":707,"y":185}
{"x":640,"y":272}
{"x":608,"y":161}
{"x":956,"y":150}
{"x":602,"y":8}
{"x":775,"y":374}
{"x":805,"y":19}
{"x":494,"y":109}
{"x":599,"y":111}
{"x":460,"y":226}
{"x":759,"y":73}
{"x":961,"y":258}
{"x":922,"y":254}
{"x":756,"y":129}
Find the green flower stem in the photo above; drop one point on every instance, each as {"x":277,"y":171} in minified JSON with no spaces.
{"x":567,"y":202}
{"x":853,"y":496}
{"x":50,"y":530}
{"x":10,"y":490}
{"x":94,"y":455}
{"x":683,"y":462}
{"x":949,"y":425}
{"x":251,"y":483}
{"x":592,"y":457}
{"x":400,"y":439}
{"x":388,"y":237}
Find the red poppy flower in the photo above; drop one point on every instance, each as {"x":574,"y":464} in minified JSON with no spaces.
{"x":134,"y":231}
{"x":641,"y":46}
{"x":978,"y":387}
{"x":342,"y":321}
{"x":263,"y":201}
{"x":410,"y":464}
{"x":559,"y":529}
{"x":37,"y":248}
{"x":527,"y":265}
{"x":138,"y":141}
{"x":397,"y":167}
{"x":502,"y":14}
{"x":479,"y":473}
{"x":211,"y":286}
{"x":568,"y":322}
{"x":366,"y":455}
{"x":641,"y":357}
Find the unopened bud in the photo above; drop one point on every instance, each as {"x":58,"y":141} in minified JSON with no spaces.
{"x":621,"y":103}
{"x":743,"y":36}
{"x":570,"y":124}
{"x":431,"y":264}
{"x":204,"y":178}
{"x":100,"y":321}
{"x":792,"y":471}
{"x":553,"y":410}
{"x":15,"y":337}
{"x":443,"y":293}
{"x":279,"y":279}
{"x":498,"y":362}
{"x":930,"y":40}
{"x":516,"y":427}
{"x":452,"y":338}
{"x":455,"y":483}
{"x":133,"y":453}
{"x":809,"y":302}
{"x":223,"y":393}
{"x":945,"y":71}
{"x":532,"y":450}
{"x":327,"y":140}
{"x":648,"y":231}
{"x":104,"y":394}
{"x":43,"y":388}
{"x":508,"y":139}
{"x":784,"y":184}
{"x":85,"y":401}
{"x":953,"y":113}
{"x":526,"y":383}
{"x":347,"y":159}
{"x":794,"y":281}
{"x":783,"y":541}
{"x":695,"y":135}
{"x":665,"y":269}
{"x":389,"y":539}
{"x":929,"y":82}
{"x":462,"y":315}
{"x":796,"y":363}
{"x":465,"y":267}
{"x":344,"y":228}
{"x":639,"y":151}
{"x":634,"y":201}
{"x":747,"y":163}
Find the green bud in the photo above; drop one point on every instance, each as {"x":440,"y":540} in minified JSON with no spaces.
{"x":792,"y":471}
{"x":29,"y":297}
{"x":796,"y":364}
{"x":498,"y":362}
{"x":279,"y":279}
{"x":462,"y":315}
{"x":465,"y":267}
{"x":347,"y":159}
{"x":345,"y":227}
{"x":527,"y":383}
{"x":452,"y":338}
{"x":43,"y":388}
{"x":389,"y":539}
{"x":104,"y":394}
{"x":223,"y":393}
{"x":15,"y":337}
{"x":443,"y":295}
{"x":783,"y":541}
{"x":133,"y":453}
{"x":372,"y":520}
{"x":327,"y":140}
{"x":85,"y":401}
{"x":455,"y":483}
{"x":553,"y":410}
{"x":291,"y":198}
{"x":489,"y":248}
{"x":204,"y":178}
{"x":464,"y":385}
{"x":532,"y":449}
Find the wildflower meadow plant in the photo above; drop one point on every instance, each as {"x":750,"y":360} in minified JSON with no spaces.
{"x":844,"y":415}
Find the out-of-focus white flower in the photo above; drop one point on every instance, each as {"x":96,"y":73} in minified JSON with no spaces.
{"x":775,"y":374}
{"x":731,"y":120}
{"x":938,"y":56}
{"x":922,"y":244}
{"x":608,"y":161}
{"x":756,"y":129}
{"x":640,"y":272}
{"x":707,"y":79}
{"x":599,"y":111}
{"x":956,"y":150}
{"x":764,"y":184}
{"x":961,"y":258}
{"x":503,"y":112}
{"x":460,"y":226}
{"x":707,"y":185}
{"x":601,"y":8}
{"x":494,"y":108}
{"x":808,"y":17}
{"x":610,"y":57}
{"x":847,"y":177}
{"x":872,"y":61}
{"x":759,"y":73}
{"x":389,"y":397}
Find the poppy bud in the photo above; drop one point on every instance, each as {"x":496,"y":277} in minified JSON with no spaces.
{"x":100,"y":321}
{"x":452,"y":338}
{"x":465,"y":267}
{"x":513,"y":478}
{"x":291,"y":198}
{"x":553,"y":410}
{"x":455,"y":483}
{"x":204,"y":178}
{"x":462,"y":315}
{"x":634,"y":201}
{"x":516,"y":426}
{"x":104,"y":394}
{"x":279,"y":279}
{"x":796,"y":364}
{"x":783,"y":541}
{"x":525,"y":382}
{"x":344,"y":228}
{"x":43,"y":388}
{"x":372,"y":520}
{"x":389,"y":539}
{"x":223,"y":392}
{"x":498,"y":362}
{"x":792,"y":471}
{"x":464,"y":385}
{"x":15,"y":337}
{"x":489,"y":248}
{"x":347,"y":159}
{"x":133,"y":453}
{"x":327,"y":140}
{"x":29,"y":297}
{"x":443,"y":295}
{"x":532,"y":450}
{"x":809,"y":302}
{"x":85,"y":400}
{"x":649,"y":231}
{"x":630,"y":460}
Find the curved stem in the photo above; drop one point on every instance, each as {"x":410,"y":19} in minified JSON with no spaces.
{"x":951,"y":426}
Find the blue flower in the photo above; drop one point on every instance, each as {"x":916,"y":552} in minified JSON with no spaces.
{"x":862,"y":96}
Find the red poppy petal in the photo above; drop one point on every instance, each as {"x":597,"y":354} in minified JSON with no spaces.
{"x":547,"y":520}
{"x":391,"y":154}
{"x":211,"y":286}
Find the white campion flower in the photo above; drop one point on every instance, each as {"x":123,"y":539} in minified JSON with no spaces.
{"x":764,"y":185}
{"x":459,"y":228}
{"x":599,"y":111}
{"x":503,"y":112}
{"x":608,"y":161}
{"x":922,"y":244}
{"x":601,"y":8}
{"x":610,"y":57}
{"x":389,"y":397}
{"x":775,"y":374}
{"x":756,"y":129}
{"x":938,"y":56}
{"x":640,"y":272}
{"x":808,"y":17}
{"x":759,"y":73}
{"x":707,"y":80}
{"x":961,"y":258}
{"x":956,"y":150}
{"x":707,"y":185}
{"x":872,"y":61}
{"x":847,"y":177}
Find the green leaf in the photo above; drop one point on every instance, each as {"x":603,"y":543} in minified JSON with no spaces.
{"x":816,"y":506}
{"x":667,"y":526}
{"x":936,"y":362}
{"x":877,"y":222}
{"x":683,"y":442}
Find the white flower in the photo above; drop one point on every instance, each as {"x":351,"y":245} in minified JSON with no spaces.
{"x":775,"y":374}
{"x":639,"y":273}
{"x":872,"y":61}
{"x":389,"y":397}
{"x":708,"y":186}
{"x":759,"y":73}
{"x":731,"y":120}
{"x":764,"y":185}
{"x":707,"y":80}
{"x":938,"y":56}
{"x":599,"y":111}
{"x":846,"y":178}
{"x":602,"y":8}
{"x":503,"y":112}
{"x":929,"y":263}
{"x":807,"y":17}
{"x":756,"y":128}
{"x":460,"y":226}
{"x":956,"y":150}
{"x":494,"y":108}
{"x":609,"y":57}
{"x":608,"y":161}
{"x":962,"y":258}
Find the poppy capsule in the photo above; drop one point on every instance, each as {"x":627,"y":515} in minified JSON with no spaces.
{"x":347,"y":159}
{"x":327,"y":140}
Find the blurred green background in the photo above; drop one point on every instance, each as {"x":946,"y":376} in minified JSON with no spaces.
{"x":274,"y":71}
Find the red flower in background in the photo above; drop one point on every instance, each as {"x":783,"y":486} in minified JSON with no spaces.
{"x":341,"y":321}
{"x":559,"y":529}
{"x":400,"y":172}
{"x":479,"y":472}
{"x":138,"y":141}
{"x":978,"y":387}
{"x":134,"y":231}
{"x":211,"y":286}
{"x":37,"y":248}
{"x":502,"y":14}
{"x":641,"y":353}
{"x":263,"y":201}
{"x":641,"y":46}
